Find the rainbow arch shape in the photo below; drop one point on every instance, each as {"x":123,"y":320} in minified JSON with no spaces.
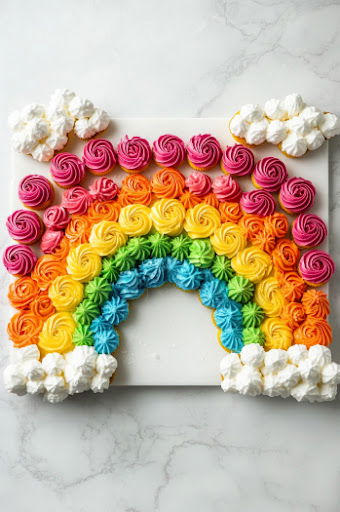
{"x":99,"y":266}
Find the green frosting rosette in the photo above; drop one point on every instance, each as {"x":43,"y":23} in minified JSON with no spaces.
{"x":180,"y":247}
{"x":253,"y":335}
{"x":240,"y":289}
{"x":139,"y":248}
{"x":110,"y":272}
{"x":222,"y":269}
{"x":252,"y":315}
{"x":123,"y":259}
{"x":86,"y":312}
{"x":98,"y":290}
{"x":201,"y":253}
{"x":160,"y":245}
{"x":82,"y":335}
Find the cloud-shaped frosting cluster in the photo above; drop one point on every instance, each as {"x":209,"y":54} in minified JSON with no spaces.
{"x":40,"y":130}
{"x":306,"y":375}
{"x":291,"y":123}
{"x":57,"y":375}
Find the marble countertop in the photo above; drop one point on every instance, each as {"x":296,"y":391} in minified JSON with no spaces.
{"x":166,"y":449}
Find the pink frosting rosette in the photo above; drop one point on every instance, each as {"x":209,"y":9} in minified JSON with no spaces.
{"x":316,"y":267}
{"x":237,"y":160}
{"x":226,"y":189}
{"x":198,"y":183}
{"x":103,"y":189}
{"x":24,"y":226}
{"x":19,"y":260}
{"x":134,"y":154}
{"x":297,"y":195}
{"x":56,"y":217}
{"x":204,"y":152}
{"x":308,"y":230}
{"x":258,"y":202}
{"x":50,"y":240}
{"x":269,"y":174}
{"x":35,"y":191}
{"x":99,"y":156}
{"x":76,"y":200}
{"x":168,"y":151}
{"x":67,"y":170}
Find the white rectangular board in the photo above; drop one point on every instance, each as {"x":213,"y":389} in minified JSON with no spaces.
{"x":169,"y":337}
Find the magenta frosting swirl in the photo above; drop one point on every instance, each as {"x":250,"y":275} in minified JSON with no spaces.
{"x":226,"y":189}
{"x":309,"y":230}
{"x":270,"y":173}
{"x":67,"y":170}
{"x":56,"y":217}
{"x":169,"y":150}
{"x":259,"y":202}
{"x":238,"y":160}
{"x":50,"y":240}
{"x":99,"y":156}
{"x":35,"y":191}
{"x":24,"y":226}
{"x":103,"y":189}
{"x":76,"y":200}
{"x":204,"y":151}
{"x":133,"y":154}
{"x":198,"y":183}
{"x":297,"y":195}
{"x":316,"y":267}
{"x":19,"y":260}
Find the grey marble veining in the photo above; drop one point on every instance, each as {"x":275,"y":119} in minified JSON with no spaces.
{"x":155,"y":449}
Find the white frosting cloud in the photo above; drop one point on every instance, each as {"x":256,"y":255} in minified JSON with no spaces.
{"x":292,"y":124}
{"x":40,"y":131}
{"x":57,"y":376}
{"x":306,"y":375}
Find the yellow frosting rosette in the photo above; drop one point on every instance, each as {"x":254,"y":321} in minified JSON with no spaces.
{"x":278,"y":334}
{"x":107,"y":237}
{"x":56,"y":334}
{"x":168,"y":216}
{"x":202,"y":220}
{"x":269,"y":297}
{"x":252,"y":263}
{"x":83,"y":263}
{"x":135,"y":220}
{"x":229,"y":239}
{"x":66,"y":293}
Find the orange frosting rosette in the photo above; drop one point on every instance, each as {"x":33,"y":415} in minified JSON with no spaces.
{"x":189,"y":200}
{"x":78,"y":229}
{"x":22,"y":292}
{"x":316,"y":303}
{"x":24,"y":328}
{"x":63,"y":248}
{"x":211,"y":199}
{"x":292,"y":285}
{"x":230,"y":212}
{"x":264,"y":240}
{"x":42,"y":306}
{"x":294,"y":314}
{"x":103,"y":210}
{"x":253,"y":224}
{"x":168,"y":182}
{"x":277,"y":224}
{"x":285,"y":255}
{"x":313,"y":331}
{"x":46,"y":269}
{"x":135,"y":189}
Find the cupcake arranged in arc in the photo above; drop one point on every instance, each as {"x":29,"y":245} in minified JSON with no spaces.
{"x":203,"y":152}
{"x":134,"y":154}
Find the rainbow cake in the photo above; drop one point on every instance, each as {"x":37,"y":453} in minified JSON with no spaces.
{"x":103,"y":245}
